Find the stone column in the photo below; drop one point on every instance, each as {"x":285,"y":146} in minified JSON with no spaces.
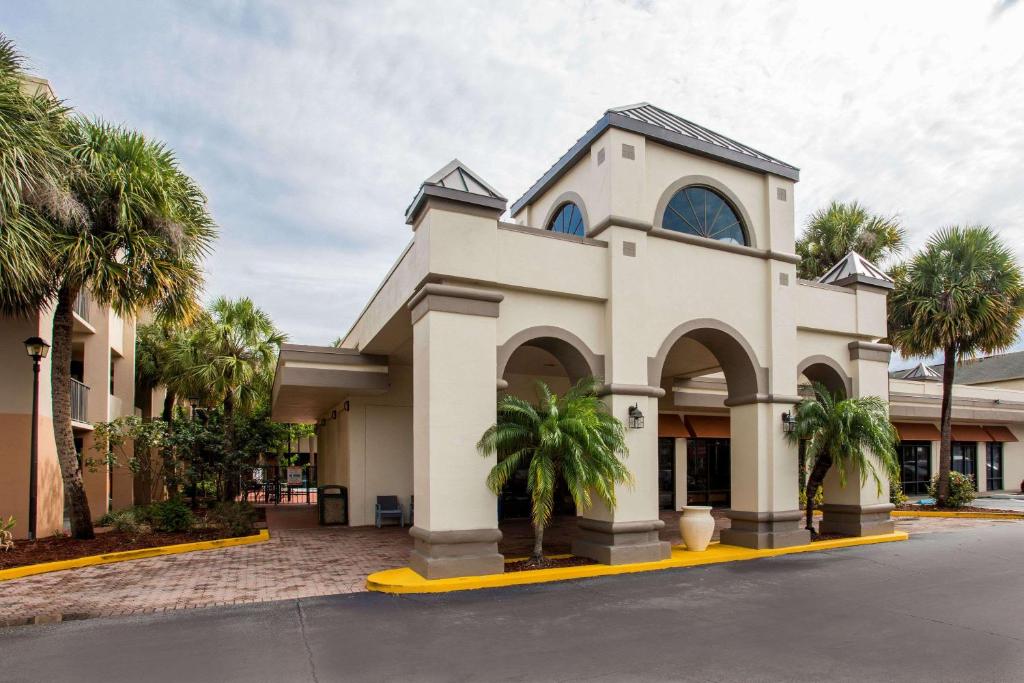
{"x":861,"y":510}
{"x":454,"y":357}
{"x":765,"y":480}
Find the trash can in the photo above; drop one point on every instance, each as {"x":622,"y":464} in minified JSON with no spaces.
{"x":332,"y":502}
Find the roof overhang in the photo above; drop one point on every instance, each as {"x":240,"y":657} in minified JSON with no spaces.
{"x":310,"y":380}
{"x":612,"y":119}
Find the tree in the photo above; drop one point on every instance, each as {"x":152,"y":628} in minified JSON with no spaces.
{"x":840,"y":228}
{"x":963,"y":294}
{"x":572,"y":437}
{"x":846,"y":433}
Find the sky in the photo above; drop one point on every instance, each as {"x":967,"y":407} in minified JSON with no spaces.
{"x":311,"y":124}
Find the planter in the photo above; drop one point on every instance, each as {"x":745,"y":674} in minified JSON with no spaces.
{"x":696,"y":526}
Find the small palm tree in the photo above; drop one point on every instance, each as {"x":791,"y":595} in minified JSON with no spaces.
{"x":840,"y":228}
{"x":572,"y":437}
{"x":962,"y":295}
{"x":844,"y":432}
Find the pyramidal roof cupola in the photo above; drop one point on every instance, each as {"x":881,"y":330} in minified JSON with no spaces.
{"x":855,"y":269}
{"x":922,"y":373}
{"x":456,"y":182}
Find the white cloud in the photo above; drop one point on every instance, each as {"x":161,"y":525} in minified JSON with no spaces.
{"x":312,"y":124}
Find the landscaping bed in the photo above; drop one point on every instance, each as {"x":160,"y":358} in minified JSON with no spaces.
{"x":548,"y":563}
{"x":65,"y":548}
{"x":909,"y":507}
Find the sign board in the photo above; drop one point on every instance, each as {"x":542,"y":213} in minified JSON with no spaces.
{"x":295,"y":476}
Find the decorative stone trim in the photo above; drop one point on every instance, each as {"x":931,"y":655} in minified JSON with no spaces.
{"x":762,"y":398}
{"x":860,"y":350}
{"x":857,"y":520}
{"x":541,"y":232}
{"x":572,"y":352}
{"x":453,"y":299}
{"x":446,"y":554}
{"x":630,"y":390}
{"x":621,"y":542}
{"x":765,"y":529}
{"x":619,"y":221}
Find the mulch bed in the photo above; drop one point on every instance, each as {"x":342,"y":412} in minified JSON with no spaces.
{"x":907,"y":507}
{"x":827,"y":537}
{"x":64,"y":548}
{"x":547,"y":563}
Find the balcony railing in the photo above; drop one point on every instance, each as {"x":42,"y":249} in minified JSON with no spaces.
{"x":82,"y":305}
{"x":79,"y":401}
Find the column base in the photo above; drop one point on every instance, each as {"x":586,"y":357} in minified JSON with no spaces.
{"x":857,"y":520}
{"x":448,"y":554}
{"x":761,"y":530}
{"x":621,"y":542}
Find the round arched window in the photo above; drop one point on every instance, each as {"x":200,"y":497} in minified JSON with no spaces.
{"x":703,"y":212}
{"x":568,"y":219}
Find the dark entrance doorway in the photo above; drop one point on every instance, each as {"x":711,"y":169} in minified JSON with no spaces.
{"x":915,"y":466}
{"x":666,"y":473}
{"x":965,"y":458}
{"x":708,"y":479}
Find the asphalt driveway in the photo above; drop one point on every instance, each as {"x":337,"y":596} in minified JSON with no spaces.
{"x":938,"y":607}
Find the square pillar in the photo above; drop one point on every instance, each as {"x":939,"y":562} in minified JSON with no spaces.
{"x":454,"y":359}
{"x":630,"y":532}
{"x":765,"y":510}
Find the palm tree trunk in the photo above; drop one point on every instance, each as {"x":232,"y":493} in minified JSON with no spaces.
{"x":946,"y":430}
{"x":75,"y":499}
{"x":229,"y":431}
{"x":170,"y":477}
{"x":821,"y":466}
{"x":168,"y":412}
{"x":538,"y":544}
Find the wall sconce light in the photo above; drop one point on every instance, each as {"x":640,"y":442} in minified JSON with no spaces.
{"x":334,"y":414}
{"x":788,"y":422}
{"x":636,"y":417}
{"x":346,"y":406}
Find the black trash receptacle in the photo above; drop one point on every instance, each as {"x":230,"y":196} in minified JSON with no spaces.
{"x":332,"y":502}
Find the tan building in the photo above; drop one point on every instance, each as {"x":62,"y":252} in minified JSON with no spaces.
{"x":656,"y":255}
{"x":102,"y":389}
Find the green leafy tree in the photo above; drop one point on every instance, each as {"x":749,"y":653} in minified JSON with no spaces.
{"x":840,"y":228}
{"x":846,"y":433}
{"x":962,"y":295}
{"x":572,"y":437}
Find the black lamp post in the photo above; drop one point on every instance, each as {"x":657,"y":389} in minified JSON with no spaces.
{"x":36,"y":349}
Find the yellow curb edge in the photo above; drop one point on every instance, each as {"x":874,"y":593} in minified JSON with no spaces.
{"x":125,"y":555}
{"x":405,"y":580}
{"x":953,"y":515}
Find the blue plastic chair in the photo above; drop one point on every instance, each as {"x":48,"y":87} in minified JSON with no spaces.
{"x":388,"y":507}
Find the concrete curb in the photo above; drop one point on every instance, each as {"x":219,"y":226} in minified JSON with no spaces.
{"x":955,"y":515}
{"x":405,"y":580}
{"x":125,"y":555}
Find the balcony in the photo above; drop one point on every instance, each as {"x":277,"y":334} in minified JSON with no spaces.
{"x":79,"y":402}
{"x":81,"y":314}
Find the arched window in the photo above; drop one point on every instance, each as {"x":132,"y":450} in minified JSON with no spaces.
{"x":568,"y":219}
{"x":703,"y":212}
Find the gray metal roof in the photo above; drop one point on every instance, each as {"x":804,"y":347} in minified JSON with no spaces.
{"x":855,"y":269}
{"x":667,"y":128}
{"x":988,"y":369}
{"x":455,"y":181}
{"x":922,"y":373}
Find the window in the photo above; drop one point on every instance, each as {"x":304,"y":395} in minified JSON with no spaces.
{"x":965,"y":457}
{"x":915,"y":458}
{"x":568,"y":220}
{"x":994,"y":466}
{"x":703,"y":212}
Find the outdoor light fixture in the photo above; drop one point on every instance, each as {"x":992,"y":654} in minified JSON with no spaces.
{"x":636,"y":417}
{"x":346,"y":406}
{"x":36,"y":349}
{"x":788,"y":422}
{"x":334,"y":414}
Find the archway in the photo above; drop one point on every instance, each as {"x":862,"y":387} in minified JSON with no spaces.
{"x":826,"y":371}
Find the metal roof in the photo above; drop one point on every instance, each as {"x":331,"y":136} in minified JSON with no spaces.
{"x":921,"y":373}
{"x":455,"y":181}
{"x":997,"y":368}
{"x":667,"y":128}
{"x":854,"y":268}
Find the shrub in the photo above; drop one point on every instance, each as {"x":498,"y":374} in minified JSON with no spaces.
{"x":896,"y":495}
{"x":6,"y":535}
{"x":234,"y":518}
{"x":961,"y":489}
{"x":169,"y":515}
{"x":125,"y":521}
{"x":819,"y":498}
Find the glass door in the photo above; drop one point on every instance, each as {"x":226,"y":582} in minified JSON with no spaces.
{"x":708,"y":474}
{"x":915,"y":466}
{"x":965,"y":458}
{"x":666,"y":473}
{"x":994,"y":466}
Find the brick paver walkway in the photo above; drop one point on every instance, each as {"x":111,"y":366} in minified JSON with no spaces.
{"x":295,"y":563}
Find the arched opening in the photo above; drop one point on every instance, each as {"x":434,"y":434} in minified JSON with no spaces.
{"x":708,"y":371}
{"x":559,"y":359}
{"x":823,"y":370}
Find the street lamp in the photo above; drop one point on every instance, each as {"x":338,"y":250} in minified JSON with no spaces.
{"x":36,"y":349}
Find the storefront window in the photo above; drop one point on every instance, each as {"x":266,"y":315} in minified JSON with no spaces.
{"x":994,"y":466}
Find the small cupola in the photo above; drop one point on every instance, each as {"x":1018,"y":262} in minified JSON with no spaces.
{"x":854,"y":269}
{"x":922,"y":373}
{"x":455,"y":182}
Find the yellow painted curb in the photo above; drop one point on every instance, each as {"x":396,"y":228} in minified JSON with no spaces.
{"x":124,"y":555}
{"x":953,"y":515}
{"x":405,"y":580}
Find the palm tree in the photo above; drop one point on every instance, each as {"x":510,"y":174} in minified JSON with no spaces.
{"x":844,"y":432}
{"x":572,"y":437}
{"x":840,"y":228}
{"x":962,"y":295}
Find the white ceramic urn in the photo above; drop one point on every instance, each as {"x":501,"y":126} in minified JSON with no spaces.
{"x":696,"y":526}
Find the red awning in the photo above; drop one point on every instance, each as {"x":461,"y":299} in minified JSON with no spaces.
{"x":970,"y":433}
{"x":671,"y":425}
{"x":916,"y":431}
{"x":707,"y":426}
{"x":1000,"y":433}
